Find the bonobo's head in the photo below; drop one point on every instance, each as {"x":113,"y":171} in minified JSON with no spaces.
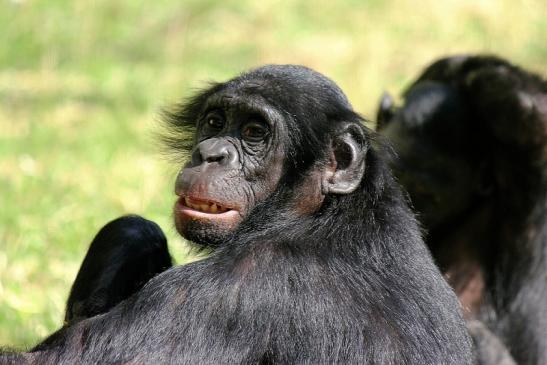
{"x":278,"y":137}
{"x":466,"y":126}
{"x":431,"y":135}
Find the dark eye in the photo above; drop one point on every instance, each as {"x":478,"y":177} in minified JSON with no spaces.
{"x":214,"y":122}
{"x":254,"y":132}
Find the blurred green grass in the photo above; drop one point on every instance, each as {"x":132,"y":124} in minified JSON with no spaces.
{"x":81,"y":84}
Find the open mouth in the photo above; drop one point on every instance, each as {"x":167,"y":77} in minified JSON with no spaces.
{"x":202,"y":206}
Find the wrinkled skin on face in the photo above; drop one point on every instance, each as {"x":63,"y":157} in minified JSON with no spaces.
{"x":235,"y":164}
{"x":242,"y":134}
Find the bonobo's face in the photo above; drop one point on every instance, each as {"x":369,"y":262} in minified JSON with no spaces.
{"x":429,"y":133}
{"x":280,"y":129}
{"x":236,"y":162}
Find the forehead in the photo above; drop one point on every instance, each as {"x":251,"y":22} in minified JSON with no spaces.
{"x":248,"y":99}
{"x":289,"y":86}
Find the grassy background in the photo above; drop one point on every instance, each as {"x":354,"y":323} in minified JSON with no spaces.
{"x":81,"y":83}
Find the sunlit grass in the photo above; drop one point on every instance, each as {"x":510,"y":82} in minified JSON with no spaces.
{"x":81,"y":84}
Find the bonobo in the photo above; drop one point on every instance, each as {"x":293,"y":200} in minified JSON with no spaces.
{"x":316,"y":258}
{"x":472,"y":143}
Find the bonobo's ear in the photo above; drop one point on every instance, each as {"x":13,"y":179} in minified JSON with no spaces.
{"x":386,"y":110}
{"x":347,"y":165}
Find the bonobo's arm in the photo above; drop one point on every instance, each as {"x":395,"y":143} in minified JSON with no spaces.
{"x":123,"y":256}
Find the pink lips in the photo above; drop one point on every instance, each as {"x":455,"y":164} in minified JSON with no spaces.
{"x":199,"y":208}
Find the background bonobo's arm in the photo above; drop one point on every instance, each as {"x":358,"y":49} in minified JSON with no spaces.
{"x":123,"y":256}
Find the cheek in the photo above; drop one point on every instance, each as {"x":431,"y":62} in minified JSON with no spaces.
{"x":308,"y":196}
{"x":266,"y":178}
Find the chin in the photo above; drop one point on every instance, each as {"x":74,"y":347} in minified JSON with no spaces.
{"x":202,"y":233}
{"x":204,"y":222}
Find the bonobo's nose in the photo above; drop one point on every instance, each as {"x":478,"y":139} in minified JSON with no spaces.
{"x":214,"y":150}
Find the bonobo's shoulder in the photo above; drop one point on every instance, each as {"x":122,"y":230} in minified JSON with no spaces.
{"x":178,"y":275}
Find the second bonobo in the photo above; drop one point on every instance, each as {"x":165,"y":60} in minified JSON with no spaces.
{"x":471,"y":140}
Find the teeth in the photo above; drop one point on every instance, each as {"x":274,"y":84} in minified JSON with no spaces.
{"x":206,"y":208}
